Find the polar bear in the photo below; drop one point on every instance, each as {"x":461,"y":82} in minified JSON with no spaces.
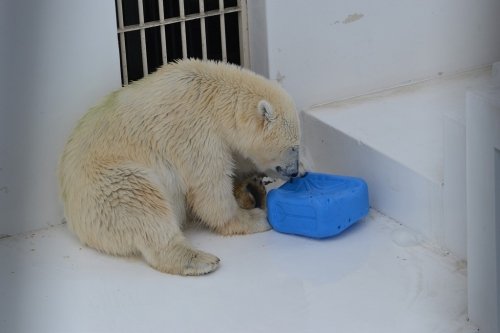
{"x":162,"y":149}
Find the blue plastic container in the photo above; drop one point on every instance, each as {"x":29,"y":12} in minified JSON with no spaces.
{"x":317,"y":205}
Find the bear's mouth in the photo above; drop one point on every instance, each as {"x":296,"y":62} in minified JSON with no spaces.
{"x":288,"y":172}
{"x":289,"y":167}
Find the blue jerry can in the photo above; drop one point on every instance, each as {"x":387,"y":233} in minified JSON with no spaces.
{"x":317,"y":205}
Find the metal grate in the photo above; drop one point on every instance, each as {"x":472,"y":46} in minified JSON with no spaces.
{"x":154,"y":32}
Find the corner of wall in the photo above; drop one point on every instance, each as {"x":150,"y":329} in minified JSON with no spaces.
{"x":257,"y":31}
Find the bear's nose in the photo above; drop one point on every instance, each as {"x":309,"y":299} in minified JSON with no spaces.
{"x":289,"y":171}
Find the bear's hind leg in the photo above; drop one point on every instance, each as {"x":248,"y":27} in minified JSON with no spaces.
{"x":141,"y":210}
{"x":172,"y":254}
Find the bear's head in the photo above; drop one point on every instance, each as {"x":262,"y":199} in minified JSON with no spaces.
{"x":268,"y":130}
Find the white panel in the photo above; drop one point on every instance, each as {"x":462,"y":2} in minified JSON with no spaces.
{"x":483,"y":244}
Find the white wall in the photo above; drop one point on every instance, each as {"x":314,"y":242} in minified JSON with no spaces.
{"x":57,"y":58}
{"x":325,"y":50}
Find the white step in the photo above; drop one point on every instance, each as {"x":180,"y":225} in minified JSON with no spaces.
{"x":408,"y":143}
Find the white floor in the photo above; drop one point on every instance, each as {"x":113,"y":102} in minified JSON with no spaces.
{"x":377,"y":276}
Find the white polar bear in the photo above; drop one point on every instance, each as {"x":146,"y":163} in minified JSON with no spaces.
{"x":162,"y":149}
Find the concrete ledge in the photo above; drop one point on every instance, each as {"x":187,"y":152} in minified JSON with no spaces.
{"x":409,"y":145}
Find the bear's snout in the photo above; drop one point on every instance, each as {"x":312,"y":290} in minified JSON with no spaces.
{"x":287,"y":172}
{"x":290,"y":169}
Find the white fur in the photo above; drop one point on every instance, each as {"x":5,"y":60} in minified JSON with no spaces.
{"x":161,"y":150}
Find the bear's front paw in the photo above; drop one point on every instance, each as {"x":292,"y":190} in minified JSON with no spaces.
{"x":248,"y":221}
{"x":249,"y":191}
{"x":259,"y":221}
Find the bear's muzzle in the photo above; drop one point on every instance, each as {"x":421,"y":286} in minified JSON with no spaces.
{"x":291,"y":167}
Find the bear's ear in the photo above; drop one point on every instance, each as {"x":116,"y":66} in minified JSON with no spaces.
{"x":266,"y":110}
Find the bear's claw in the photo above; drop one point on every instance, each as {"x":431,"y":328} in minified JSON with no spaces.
{"x":202,"y":263}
